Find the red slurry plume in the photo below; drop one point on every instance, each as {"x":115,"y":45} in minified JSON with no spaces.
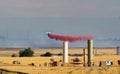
{"x":69,"y":38}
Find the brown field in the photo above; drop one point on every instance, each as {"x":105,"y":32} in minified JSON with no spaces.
{"x":98,"y":51}
{"x":6,"y":62}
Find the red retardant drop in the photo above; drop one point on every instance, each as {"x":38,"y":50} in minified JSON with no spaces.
{"x":69,"y":38}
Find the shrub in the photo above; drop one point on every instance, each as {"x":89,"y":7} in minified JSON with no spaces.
{"x":32,"y":64}
{"x":26,"y":53}
{"x":60,"y":54}
{"x":47,"y":54}
{"x":14,"y":55}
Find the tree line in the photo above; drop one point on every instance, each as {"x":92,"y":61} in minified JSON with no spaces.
{"x":28,"y":52}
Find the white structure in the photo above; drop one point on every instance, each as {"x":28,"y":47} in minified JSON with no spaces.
{"x":106,"y":63}
{"x":65,"y":52}
{"x":90,"y":52}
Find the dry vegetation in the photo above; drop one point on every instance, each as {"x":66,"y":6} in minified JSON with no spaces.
{"x":98,"y":51}
{"x":40,"y":68}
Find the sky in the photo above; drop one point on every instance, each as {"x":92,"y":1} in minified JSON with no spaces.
{"x":24,"y":23}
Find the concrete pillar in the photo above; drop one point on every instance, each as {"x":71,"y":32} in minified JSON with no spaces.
{"x":84,"y":57}
{"x":65,"y":52}
{"x":90,"y":53}
{"x":118,"y":50}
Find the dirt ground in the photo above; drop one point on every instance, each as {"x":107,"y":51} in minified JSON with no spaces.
{"x":41,"y":64}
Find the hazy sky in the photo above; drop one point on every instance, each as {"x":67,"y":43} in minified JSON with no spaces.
{"x":60,"y":8}
{"x":25,"y":22}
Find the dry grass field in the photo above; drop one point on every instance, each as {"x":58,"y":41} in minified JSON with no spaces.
{"x":6,"y":62}
{"x":98,"y":51}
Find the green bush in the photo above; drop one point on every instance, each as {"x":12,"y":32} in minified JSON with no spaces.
{"x":47,"y":54}
{"x":26,"y":53}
